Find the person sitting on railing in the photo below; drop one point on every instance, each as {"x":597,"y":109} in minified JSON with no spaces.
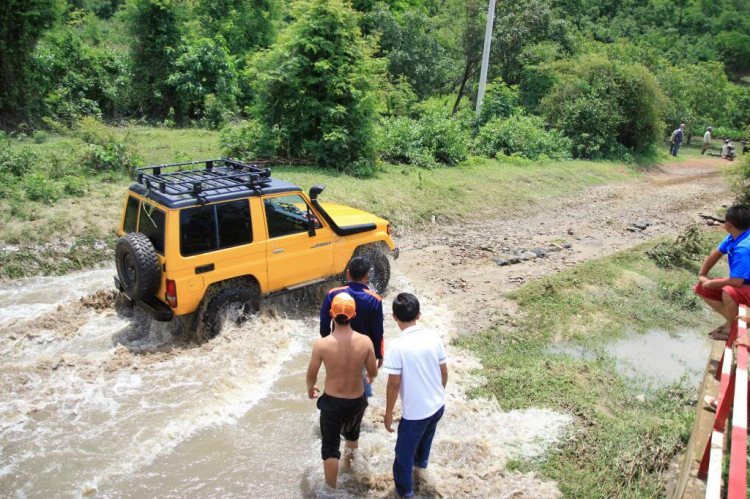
{"x":724,"y":294}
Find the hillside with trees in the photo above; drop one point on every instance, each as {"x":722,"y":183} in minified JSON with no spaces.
{"x":348,"y":85}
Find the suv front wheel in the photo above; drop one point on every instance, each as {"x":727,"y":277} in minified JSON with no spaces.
{"x":237,"y":303}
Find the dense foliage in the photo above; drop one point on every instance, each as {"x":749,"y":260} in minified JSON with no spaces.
{"x":343,"y":83}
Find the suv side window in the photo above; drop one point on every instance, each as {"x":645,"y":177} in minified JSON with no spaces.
{"x":208,"y":228}
{"x":287,"y":215}
{"x":152,"y":224}
{"x":131,"y":215}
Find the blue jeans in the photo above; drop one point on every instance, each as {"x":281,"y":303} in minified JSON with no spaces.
{"x":368,"y":386}
{"x":675,"y":148}
{"x":413,"y":448}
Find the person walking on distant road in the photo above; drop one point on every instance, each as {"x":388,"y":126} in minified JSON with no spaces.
{"x":707,"y":140}
{"x":416,"y":365}
{"x":676,"y":139}
{"x":344,"y":353}
{"x":369,"y":319}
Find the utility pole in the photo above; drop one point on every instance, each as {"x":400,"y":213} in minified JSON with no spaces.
{"x":486,"y":55}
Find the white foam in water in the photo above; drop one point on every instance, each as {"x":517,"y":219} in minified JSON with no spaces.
{"x":473,"y":442}
{"x":27,"y":298}
{"x":102,"y":396}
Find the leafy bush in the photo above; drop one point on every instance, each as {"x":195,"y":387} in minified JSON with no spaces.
{"x":523,"y":136}
{"x":74,"y":186}
{"x":720,"y":132}
{"x":111,"y":157}
{"x":92,"y":131}
{"x":76,"y":79}
{"x":425,"y":142}
{"x":16,"y":162}
{"x":39,"y":188}
{"x":250,"y":139}
{"x":316,"y":87}
{"x":500,"y":101}
{"x":40,"y":136}
{"x":204,"y":81}
{"x":741,"y":180}
{"x":605,"y":106}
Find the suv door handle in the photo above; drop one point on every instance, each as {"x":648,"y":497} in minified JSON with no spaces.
{"x":277,"y":251}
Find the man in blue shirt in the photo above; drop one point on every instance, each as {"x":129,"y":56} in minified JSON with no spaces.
{"x":369,"y":318}
{"x":676,"y":140}
{"x":724,"y":294}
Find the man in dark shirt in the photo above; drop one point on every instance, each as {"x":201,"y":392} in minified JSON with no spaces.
{"x":369,"y":318}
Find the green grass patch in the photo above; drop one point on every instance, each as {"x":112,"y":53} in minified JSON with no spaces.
{"x":621,"y":443}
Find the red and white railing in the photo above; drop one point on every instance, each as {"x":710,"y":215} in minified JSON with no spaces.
{"x":733,"y":391}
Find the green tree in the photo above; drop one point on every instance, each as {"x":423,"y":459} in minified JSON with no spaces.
{"x":22,"y":22}
{"x":156,"y":28}
{"x":500,"y":100}
{"x":204,"y":73}
{"x":315,"y":87}
{"x":244,"y":24}
{"x":605,"y":106}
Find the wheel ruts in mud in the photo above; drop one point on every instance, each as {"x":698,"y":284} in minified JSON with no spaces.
{"x":137,"y":266}
{"x":380,"y":273}
{"x":245,"y":297}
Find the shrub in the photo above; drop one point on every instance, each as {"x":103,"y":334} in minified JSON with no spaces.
{"x":720,"y":132}
{"x":204,"y":81}
{"x":523,"y":136}
{"x":316,"y":86}
{"x":40,"y":136}
{"x":250,"y":139}
{"x":425,"y":142}
{"x":93,"y":131}
{"x":74,"y":186}
{"x":17,"y":163}
{"x":605,"y":106}
{"x":500,"y":101}
{"x":691,"y":245}
{"x":741,"y":180}
{"x":110,"y":158}
{"x":39,"y":188}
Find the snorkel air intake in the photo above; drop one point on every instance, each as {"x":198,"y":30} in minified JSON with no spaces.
{"x":339,"y":231}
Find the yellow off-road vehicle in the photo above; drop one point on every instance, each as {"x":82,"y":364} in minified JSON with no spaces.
{"x":203,"y":237}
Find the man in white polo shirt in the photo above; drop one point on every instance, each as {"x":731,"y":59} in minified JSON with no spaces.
{"x":416,"y":365}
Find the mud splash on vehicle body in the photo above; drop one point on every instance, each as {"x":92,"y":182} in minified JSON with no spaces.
{"x":100,"y":403}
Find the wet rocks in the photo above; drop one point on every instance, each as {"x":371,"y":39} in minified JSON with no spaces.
{"x":501,"y":262}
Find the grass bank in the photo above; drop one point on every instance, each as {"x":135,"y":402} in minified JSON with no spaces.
{"x":622,"y":443}
{"x":406,"y":196}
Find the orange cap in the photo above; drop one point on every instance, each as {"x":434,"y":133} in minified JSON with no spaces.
{"x":343,"y":304}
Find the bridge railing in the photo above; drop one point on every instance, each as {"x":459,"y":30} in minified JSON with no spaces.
{"x":733,"y":398}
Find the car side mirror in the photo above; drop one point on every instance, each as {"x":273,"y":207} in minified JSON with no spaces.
{"x":310,"y":223}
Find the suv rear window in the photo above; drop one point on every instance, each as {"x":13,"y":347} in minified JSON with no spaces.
{"x":218,"y":226}
{"x":131,"y":215}
{"x":152,"y":224}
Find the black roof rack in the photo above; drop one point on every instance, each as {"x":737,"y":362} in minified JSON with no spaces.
{"x":217,"y":174}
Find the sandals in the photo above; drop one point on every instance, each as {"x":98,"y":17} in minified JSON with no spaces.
{"x":712,"y":404}
{"x":719,"y":333}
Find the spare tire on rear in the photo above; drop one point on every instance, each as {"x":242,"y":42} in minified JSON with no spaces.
{"x":137,"y":266}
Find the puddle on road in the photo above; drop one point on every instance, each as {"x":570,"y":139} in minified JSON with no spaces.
{"x":120,"y":406}
{"x":656,"y":357}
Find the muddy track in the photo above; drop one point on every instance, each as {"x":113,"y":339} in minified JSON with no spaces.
{"x":104,"y":404}
{"x":459,"y":259}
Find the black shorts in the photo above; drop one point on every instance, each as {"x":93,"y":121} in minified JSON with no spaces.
{"x":338,"y":417}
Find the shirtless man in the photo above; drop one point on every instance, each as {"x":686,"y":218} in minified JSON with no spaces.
{"x":343,"y":402}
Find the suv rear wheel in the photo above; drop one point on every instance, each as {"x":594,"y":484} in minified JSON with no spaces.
{"x":137,"y":266}
{"x":236,"y":302}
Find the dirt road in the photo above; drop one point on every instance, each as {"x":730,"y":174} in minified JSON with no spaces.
{"x":459,"y":260}
{"x":99,"y":404}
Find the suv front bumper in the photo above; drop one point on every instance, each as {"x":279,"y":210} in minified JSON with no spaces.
{"x":157,"y":310}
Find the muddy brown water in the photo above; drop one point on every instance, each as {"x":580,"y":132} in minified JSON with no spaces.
{"x":96,"y":403}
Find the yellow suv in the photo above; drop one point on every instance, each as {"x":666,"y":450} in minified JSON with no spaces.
{"x":201,"y":237}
